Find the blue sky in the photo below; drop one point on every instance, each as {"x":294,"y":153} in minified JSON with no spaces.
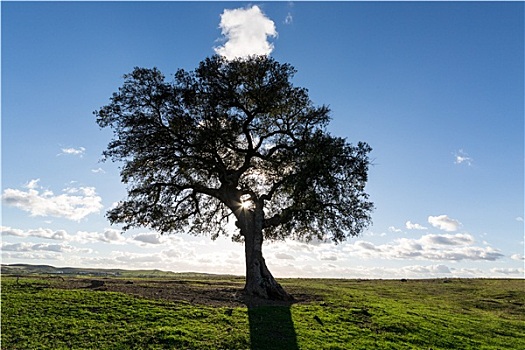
{"x":436,"y":89}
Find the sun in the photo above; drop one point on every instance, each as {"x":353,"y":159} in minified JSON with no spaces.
{"x":245,"y":205}
{"x":246,"y":202}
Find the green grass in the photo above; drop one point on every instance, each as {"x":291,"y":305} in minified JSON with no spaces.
{"x":461,"y":314}
{"x":37,"y":317}
{"x":346,"y":314}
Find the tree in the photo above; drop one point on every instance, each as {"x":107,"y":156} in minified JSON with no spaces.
{"x":234,"y":140}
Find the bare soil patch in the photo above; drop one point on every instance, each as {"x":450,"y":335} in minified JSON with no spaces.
{"x":209,"y":293}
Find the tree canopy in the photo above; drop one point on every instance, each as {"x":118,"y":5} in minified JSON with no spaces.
{"x":232,"y":136}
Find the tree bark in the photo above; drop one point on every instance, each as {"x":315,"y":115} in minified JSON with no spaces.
{"x":259,"y":280}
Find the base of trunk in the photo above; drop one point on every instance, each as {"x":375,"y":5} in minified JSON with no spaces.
{"x":260,"y":283}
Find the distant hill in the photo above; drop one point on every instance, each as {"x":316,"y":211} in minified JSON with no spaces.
{"x":26,"y":269}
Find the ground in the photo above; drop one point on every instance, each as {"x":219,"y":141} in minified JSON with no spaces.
{"x":195,"y":291}
{"x":156,"y":310}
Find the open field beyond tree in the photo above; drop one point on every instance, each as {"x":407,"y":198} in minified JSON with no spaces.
{"x":209,"y":312}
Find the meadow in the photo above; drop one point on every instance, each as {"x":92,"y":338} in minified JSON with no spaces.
{"x":209,"y":312}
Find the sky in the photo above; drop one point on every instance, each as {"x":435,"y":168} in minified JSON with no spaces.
{"x":436,"y":89}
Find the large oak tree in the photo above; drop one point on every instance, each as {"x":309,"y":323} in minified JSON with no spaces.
{"x":234,"y":140}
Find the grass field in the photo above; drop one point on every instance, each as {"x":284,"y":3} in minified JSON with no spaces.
{"x":41,"y":313}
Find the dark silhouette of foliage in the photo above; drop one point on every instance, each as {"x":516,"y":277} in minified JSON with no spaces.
{"x":234,"y":140}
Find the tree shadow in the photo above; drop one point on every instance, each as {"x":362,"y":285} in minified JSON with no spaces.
{"x":271,"y":325}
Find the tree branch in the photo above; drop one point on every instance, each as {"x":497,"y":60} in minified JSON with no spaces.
{"x":212,"y":192}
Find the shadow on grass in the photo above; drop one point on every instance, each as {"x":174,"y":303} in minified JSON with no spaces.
{"x":271,"y":325}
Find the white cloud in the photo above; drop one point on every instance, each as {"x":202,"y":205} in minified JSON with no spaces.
{"x":98,"y":171}
{"x":133,"y":259}
{"x":59,"y":235}
{"x":75,"y":204}
{"x":509,"y":271}
{"x":457,"y":239}
{"x":285,"y":259}
{"x":330,"y":270}
{"x":24,"y":256}
{"x":517,"y":257}
{"x":172,"y":253}
{"x":411,"y":226}
{"x":443,"y":222}
{"x":403,"y":248}
{"x":288,"y":19}
{"x":394,"y":229}
{"x":445,"y":247}
{"x":246,"y":31}
{"x":462,"y":157}
{"x":328,"y":257}
{"x":177,"y":257}
{"x":426,"y":270}
{"x":111,"y":235}
{"x":284,"y":256}
{"x":469,"y":253}
{"x":367,"y":246}
{"x":519,"y":218}
{"x":108,"y":236}
{"x":149,"y":238}
{"x":32,"y":184}
{"x":375,"y":234}
{"x":73,"y":151}
{"x":31,"y":247}
{"x":289,"y":16}
{"x":299,"y":246}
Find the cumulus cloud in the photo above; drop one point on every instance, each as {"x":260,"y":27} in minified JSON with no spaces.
{"x":31,"y":247}
{"x":73,"y":151}
{"x":443,"y":222}
{"x":466,"y":253}
{"x":394,"y":229}
{"x":172,"y":253}
{"x":107,"y":236}
{"x":375,"y":234}
{"x":426,"y":270}
{"x":411,"y":226}
{"x":444,"y":247}
{"x":330,"y":270}
{"x":112,"y":235}
{"x":245,"y":31}
{"x":457,"y":239}
{"x":328,"y":257}
{"x":299,"y":246}
{"x":181,"y":258}
{"x":59,"y":235}
{"x":367,"y":246}
{"x":517,"y":257}
{"x":74,"y":204}
{"x":32,"y":184}
{"x":284,"y":256}
{"x":149,"y":238}
{"x":461,"y":157}
{"x":509,"y":271}
{"x":137,"y":259}
{"x":98,"y":171}
{"x":24,"y":256}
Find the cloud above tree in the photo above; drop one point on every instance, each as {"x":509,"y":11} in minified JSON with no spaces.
{"x":246,"y":32}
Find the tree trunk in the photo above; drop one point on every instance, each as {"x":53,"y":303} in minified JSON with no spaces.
{"x":259,"y":280}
